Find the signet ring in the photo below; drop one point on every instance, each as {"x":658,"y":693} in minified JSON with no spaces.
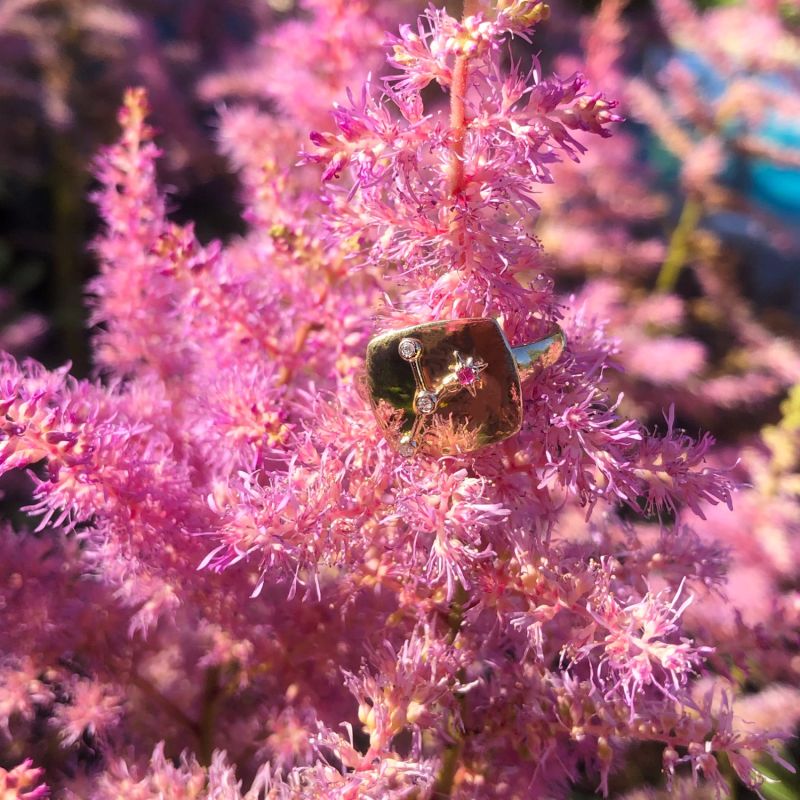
{"x":449,"y":387}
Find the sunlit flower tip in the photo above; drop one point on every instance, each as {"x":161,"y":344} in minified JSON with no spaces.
{"x":92,"y":709}
{"x":522,"y":14}
{"x":321,"y":139}
{"x":20,"y":783}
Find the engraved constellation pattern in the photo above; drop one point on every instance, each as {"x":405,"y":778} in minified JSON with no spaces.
{"x":464,"y":375}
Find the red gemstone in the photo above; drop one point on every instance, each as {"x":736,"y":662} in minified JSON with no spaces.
{"x":466,"y":375}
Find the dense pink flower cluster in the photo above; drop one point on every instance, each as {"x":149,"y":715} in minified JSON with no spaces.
{"x":235,"y":581}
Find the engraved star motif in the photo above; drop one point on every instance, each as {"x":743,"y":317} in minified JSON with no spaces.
{"x":464,"y":374}
{"x":467,"y":371}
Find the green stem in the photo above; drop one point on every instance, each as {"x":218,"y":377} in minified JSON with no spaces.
{"x":165,"y":703}
{"x":212,"y":694}
{"x":679,"y":244}
{"x":452,"y":754}
{"x":444,"y":782}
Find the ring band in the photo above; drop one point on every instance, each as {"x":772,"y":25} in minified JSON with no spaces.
{"x":443,"y":388}
{"x":530,"y":358}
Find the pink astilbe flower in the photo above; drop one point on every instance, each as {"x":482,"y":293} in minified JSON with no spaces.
{"x":306,"y":67}
{"x":445,"y":208}
{"x":756,"y":618}
{"x":417,"y":687}
{"x":65,"y":67}
{"x":637,"y":647}
{"x":448,"y":517}
{"x":139,"y":237}
{"x":273,"y":578}
{"x":394,"y":779}
{"x":21,"y":782}
{"x":91,"y":709}
{"x":186,"y":780}
{"x":648,"y":348}
{"x":289,"y":742}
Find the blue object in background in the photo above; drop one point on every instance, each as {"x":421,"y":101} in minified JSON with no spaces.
{"x":777,"y":186}
{"x":773,"y":274}
{"x":774,"y":186}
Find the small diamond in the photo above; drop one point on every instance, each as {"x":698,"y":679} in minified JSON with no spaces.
{"x":407,"y":448}
{"x":426,"y":402}
{"x":409,"y":349}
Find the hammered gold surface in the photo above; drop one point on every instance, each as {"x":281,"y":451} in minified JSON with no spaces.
{"x":461,"y":422}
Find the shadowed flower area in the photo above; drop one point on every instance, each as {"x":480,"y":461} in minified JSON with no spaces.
{"x":220,"y":581}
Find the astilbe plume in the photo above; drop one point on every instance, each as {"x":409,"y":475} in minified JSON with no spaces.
{"x":760,"y":635}
{"x":304,"y":67}
{"x":235,"y":559}
{"x":64,"y":66}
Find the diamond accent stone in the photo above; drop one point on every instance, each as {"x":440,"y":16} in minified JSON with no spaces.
{"x":426,"y":402}
{"x":409,"y":349}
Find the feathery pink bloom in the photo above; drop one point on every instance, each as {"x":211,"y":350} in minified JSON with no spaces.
{"x":269,"y":576}
{"x":20,"y":782}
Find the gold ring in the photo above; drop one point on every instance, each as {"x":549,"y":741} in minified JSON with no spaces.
{"x":450,"y":387}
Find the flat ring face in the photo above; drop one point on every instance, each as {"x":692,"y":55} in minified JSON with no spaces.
{"x":444,"y":387}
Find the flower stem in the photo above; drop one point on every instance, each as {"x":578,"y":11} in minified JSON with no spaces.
{"x":165,"y":703}
{"x":212,"y":694}
{"x":443,"y":787}
{"x":458,"y":117}
{"x":458,"y":125}
{"x":678,"y":252}
{"x":451,"y":759}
